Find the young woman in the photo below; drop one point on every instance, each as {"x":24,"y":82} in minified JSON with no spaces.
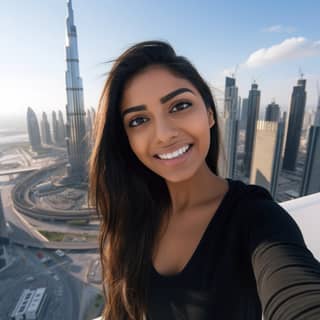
{"x":177,"y":241}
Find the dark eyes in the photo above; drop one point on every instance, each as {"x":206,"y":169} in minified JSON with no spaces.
{"x":137,"y":121}
{"x":181,"y":106}
{"x":177,"y":107}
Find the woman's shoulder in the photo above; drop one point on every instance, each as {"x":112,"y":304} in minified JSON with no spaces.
{"x":262,"y":216}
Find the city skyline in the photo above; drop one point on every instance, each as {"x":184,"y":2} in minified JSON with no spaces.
{"x":279,"y":45}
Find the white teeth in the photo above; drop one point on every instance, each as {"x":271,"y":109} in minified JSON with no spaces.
{"x":174,"y":154}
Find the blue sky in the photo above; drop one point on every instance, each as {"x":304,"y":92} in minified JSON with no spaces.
{"x":268,"y":40}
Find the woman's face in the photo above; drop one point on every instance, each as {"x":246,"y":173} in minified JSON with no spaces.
{"x":167,"y":123}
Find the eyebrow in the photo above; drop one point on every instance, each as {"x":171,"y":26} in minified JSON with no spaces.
{"x":163,"y":100}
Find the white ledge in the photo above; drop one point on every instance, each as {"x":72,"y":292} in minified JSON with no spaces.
{"x":306,"y":212}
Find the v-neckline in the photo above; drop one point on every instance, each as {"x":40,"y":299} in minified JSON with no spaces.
{"x":200,"y":243}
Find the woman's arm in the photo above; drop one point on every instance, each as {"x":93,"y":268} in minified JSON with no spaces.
{"x":287,"y":274}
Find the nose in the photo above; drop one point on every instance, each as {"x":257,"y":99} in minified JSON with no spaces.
{"x":165,"y":130}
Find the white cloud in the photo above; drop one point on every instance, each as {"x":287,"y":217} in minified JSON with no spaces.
{"x":279,"y":29}
{"x":292,"y":48}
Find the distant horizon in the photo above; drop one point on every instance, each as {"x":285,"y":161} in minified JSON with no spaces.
{"x":269,"y":43}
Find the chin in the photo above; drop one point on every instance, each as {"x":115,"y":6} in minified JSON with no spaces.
{"x":177,"y":178}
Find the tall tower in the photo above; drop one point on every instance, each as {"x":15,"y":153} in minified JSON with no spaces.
{"x":76,"y":130}
{"x":231,"y":125}
{"x":45,"y":129}
{"x":267,"y":153}
{"x":311,"y":173}
{"x":244,"y":114}
{"x":33,"y":130}
{"x":253,"y":113}
{"x":62,"y":129}
{"x":317,"y":117}
{"x":3,"y":229}
{"x":272,"y":112}
{"x":298,"y":104}
{"x":55,"y":128}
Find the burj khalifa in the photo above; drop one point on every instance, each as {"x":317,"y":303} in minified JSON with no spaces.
{"x":75,"y":128}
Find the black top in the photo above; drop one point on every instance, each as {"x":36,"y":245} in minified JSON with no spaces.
{"x":252,"y":257}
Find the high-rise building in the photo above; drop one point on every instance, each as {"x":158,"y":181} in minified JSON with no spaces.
{"x":297,"y":107}
{"x":317,"y":116}
{"x":307,"y":120}
{"x":311,"y":175}
{"x":3,"y":228}
{"x":33,"y":130}
{"x":75,"y":127}
{"x":231,"y":125}
{"x":267,"y":154}
{"x":45,"y":130}
{"x":244,"y":113}
{"x":55,"y":128}
{"x":61,"y":129}
{"x":253,"y":113}
{"x":93,"y":115}
{"x":272,"y":112}
{"x":89,"y":126}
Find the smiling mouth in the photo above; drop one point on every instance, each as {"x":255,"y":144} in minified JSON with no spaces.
{"x":175,"y":154}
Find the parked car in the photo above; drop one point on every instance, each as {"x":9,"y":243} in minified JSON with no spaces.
{"x":59,"y":253}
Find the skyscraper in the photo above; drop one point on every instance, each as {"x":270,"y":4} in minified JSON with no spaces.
{"x":33,"y":130}
{"x":3,"y":228}
{"x":253,"y":113}
{"x":89,"y":126}
{"x":267,"y":154}
{"x":311,"y":175}
{"x":61,"y":129}
{"x":55,"y":128}
{"x":272,"y":112}
{"x":317,"y":116}
{"x":244,"y":113}
{"x":45,"y":130}
{"x":297,"y":107}
{"x":76,"y":130}
{"x":231,"y":125}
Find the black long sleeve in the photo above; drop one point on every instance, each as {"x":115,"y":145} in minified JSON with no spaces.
{"x":287,"y":274}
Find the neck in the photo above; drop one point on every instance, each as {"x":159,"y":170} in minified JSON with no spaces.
{"x":199,"y":190}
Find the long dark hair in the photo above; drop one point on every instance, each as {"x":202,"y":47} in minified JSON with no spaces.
{"x":130,"y":199}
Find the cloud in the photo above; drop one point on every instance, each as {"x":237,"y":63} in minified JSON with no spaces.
{"x":279,"y":29}
{"x":292,"y":48}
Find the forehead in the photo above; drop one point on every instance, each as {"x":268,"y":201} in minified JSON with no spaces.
{"x":152,"y":84}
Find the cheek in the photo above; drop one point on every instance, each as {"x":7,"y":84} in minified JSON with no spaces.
{"x":138,"y":146}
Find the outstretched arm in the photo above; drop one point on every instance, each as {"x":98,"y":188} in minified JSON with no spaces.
{"x":287,"y":274}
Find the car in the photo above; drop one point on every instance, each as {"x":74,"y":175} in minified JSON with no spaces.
{"x":29,"y":279}
{"x":59,"y":253}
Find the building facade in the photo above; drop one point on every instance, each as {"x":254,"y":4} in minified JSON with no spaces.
{"x":267,"y":154}
{"x":272,"y":112}
{"x":75,"y":126}
{"x":45,"y":130}
{"x":33,"y":130}
{"x":231,"y":123}
{"x":296,"y":115}
{"x":3,"y":228}
{"x":311,"y":175}
{"x":253,"y":114}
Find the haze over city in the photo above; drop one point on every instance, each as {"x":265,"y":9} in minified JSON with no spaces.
{"x":260,"y":41}
{"x":261,"y":61}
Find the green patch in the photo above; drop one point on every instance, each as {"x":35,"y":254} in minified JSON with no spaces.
{"x":52,"y":236}
{"x":70,"y":237}
{"x":78,"y":222}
